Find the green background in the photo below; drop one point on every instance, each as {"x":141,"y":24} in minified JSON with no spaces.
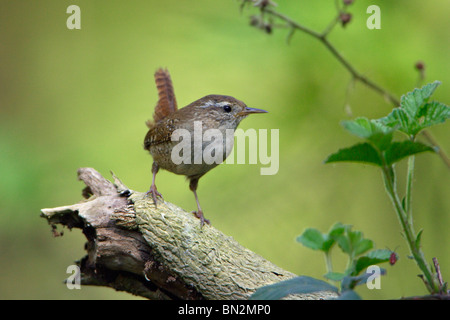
{"x":76,"y":98}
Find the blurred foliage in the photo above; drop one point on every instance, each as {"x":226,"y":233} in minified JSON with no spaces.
{"x":74,"y":98}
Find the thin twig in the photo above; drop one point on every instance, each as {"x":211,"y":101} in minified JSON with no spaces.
{"x":335,"y":21}
{"x":434,"y":143}
{"x":408,"y":231}
{"x":322,"y":37}
{"x":331,"y":26}
{"x":438,"y":272}
{"x":347,"y":108}
{"x":356,"y":75}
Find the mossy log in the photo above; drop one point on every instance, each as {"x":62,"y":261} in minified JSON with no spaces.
{"x":159,"y":252}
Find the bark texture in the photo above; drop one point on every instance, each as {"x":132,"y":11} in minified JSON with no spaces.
{"x":159,"y":253}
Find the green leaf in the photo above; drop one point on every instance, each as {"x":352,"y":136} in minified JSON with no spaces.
{"x":358,"y":243}
{"x":327,"y":244}
{"x":336,"y":230}
{"x":297,"y":285}
{"x":361,"y":264}
{"x":365,"y":128}
{"x":374,"y":131}
{"x":373,"y":257}
{"x":382,"y":255}
{"x":363,"y":152}
{"x":362,"y":246}
{"x":404,"y":203}
{"x":345,"y":244}
{"x":335,"y":276}
{"x":353,"y":243}
{"x":350,"y":282}
{"x":431,"y":114}
{"x":419,"y":239}
{"x":412,"y":101}
{"x":311,"y":238}
{"x":415,"y":113}
{"x":314,"y":239}
{"x":399,"y":119}
{"x":399,"y":150}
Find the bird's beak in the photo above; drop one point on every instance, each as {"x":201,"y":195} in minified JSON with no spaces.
{"x":248,"y":111}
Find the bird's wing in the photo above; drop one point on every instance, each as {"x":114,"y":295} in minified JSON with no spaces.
{"x":160,"y":133}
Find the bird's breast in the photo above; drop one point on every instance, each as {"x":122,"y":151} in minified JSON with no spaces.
{"x":194,"y":152}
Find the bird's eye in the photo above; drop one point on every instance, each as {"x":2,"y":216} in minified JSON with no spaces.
{"x":227,"y":108}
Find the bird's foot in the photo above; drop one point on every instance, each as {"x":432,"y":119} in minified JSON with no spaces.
{"x":199,"y":214}
{"x":154,"y":192}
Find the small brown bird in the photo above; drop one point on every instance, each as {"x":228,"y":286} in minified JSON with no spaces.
{"x":211,"y":112}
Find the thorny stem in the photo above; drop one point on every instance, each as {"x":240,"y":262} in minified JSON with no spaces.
{"x":409,"y":183}
{"x":331,"y":25}
{"x":336,"y":19}
{"x":356,"y":75}
{"x":404,"y":214}
{"x":410,"y":235}
{"x":322,"y":37}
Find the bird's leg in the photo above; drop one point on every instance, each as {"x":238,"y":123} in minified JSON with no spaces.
{"x":153,"y":190}
{"x":199,"y":213}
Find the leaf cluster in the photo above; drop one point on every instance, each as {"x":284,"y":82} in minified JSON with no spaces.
{"x":414,"y":114}
{"x":352,"y":243}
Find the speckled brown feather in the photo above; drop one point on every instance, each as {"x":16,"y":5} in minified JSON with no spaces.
{"x":158,"y":134}
{"x":167,"y":103}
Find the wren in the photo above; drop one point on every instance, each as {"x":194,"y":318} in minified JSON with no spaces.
{"x":212,"y":112}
